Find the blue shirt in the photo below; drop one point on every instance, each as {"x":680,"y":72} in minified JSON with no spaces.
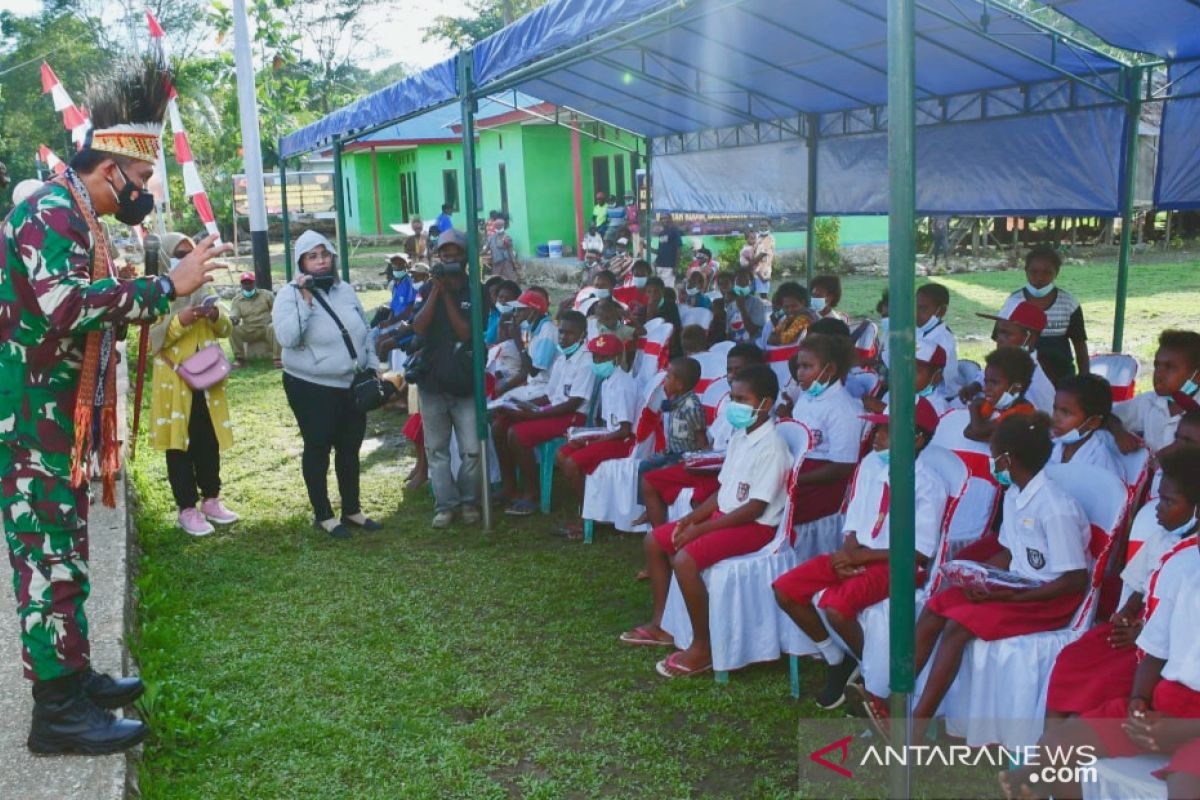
{"x":403,"y":296}
{"x":493,"y":327}
{"x":443,"y":222}
{"x":699,"y":301}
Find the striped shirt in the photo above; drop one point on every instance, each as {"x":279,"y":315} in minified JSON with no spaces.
{"x":687,"y":428}
{"x":1064,"y":323}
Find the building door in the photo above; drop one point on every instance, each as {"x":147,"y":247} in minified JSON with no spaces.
{"x":404,"y":203}
{"x":450,"y":188}
{"x":503,"y":189}
{"x":600,"y":175}
{"x":619,"y":172}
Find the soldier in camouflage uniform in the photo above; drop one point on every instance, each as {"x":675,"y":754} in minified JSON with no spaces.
{"x":58,"y":288}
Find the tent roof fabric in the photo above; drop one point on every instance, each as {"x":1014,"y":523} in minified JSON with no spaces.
{"x":715,"y":63}
{"x":1167,"y":28}
{"x":439,"y":124}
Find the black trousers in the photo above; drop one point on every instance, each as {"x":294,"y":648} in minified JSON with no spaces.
{"x":199,"y":465}
{"x":328,"y":421}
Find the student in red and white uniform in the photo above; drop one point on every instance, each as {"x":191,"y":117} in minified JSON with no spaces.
{"x":1082,"y":406}
{"x":1006,"y":375}
{"x":1044,"y":537}
{"x":1161,"y":712}
{"x":856,"y":575}
{"x":1187,"y":434}
{"x":615,"y":411}
{"x":1100,"y":665}
{"x":1154,"y":415}
{"x":927,"y":380}
{"x":1020,"y":326}
{"x":518,"y":429}
{"x":661,"y":487}
{"x":933,"y":302}
{"x":739,"y":519}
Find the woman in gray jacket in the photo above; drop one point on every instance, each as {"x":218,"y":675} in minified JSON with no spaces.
{"x":317,"y":372}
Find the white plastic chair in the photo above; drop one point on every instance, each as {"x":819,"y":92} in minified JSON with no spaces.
{"x":741,"y":605}
{"x":689,"y":315}
{"x":999,"y":696}
{"x":982,"y":497}
{"x":867,"y":343}
{"x":1120,"y":370}
{"x":862,"y":383}
{"x":1128,"y":778}
{"x":779,"y":359}
{"x":969,"y":372}
{"x":721,"y":348}
{"x":653,"y":351}
{"x":712,"y":369}
{"x":610,"y":493}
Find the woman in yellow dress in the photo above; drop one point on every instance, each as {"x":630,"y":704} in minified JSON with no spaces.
{"x":193,"y":427}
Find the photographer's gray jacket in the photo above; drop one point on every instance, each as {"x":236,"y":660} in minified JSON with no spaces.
{"x":313,"y":349}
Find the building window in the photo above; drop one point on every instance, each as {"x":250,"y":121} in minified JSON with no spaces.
{"x":412,"y":193}
{"x":503,"y":189}
{"x":404,"y":205}
{"x":450,"y":188}
{"x":478,"y":189}
{"x":619,"y":172}
{"x":349,"y":202}
{"x":500,"y":136}
{"x":449,"y":155}
{"x":600,"y":174}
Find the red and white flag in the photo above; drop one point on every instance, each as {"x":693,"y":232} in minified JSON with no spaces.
{"x":75,"y":119}
{"x":47,"y":157}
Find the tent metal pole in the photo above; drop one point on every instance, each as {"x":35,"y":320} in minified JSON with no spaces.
{"x":339,"y":199}
{"x":287,"y":238}
{"x":648,"y":223}
{"x":466,"y":90}
{"x":1133,"y":114}
{"x":901,"y":35}
{"x":810,"y":239}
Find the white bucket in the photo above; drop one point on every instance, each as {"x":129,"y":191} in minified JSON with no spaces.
{"x":556,"y":248}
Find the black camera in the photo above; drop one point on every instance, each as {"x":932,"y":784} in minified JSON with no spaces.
{"x":324,"y":282}
{"x":443,"y":268}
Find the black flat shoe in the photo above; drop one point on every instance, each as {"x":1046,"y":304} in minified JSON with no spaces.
{"x":339,"y":531}
{"x":109,"y":692}
{"x":368,"y":525}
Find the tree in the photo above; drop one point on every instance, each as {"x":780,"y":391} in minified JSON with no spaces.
{"x":459,"y":33}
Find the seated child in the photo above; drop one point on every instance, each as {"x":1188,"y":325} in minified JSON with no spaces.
{"x":1020,"y":326}
{"x":536,"y":337}
{"x":1082,"y":406}
{"x":745,"y":314}
{"x":609,"y":321}
{"x":618,"y":403}
{"x":1161,"y":712}
{"x":519,"y":428}
{"x":1187,"y":434}
{"x":660,"y":304}
{"x":661,"y":487}
{"x":1100,"y":665}
{"x":693,"y":292}
{"x":794,"y":316}
{"x":600,"y":288}
{"x":694,"y":340}
{"x":506,"y":293}
{"x":826,"y":293}
{"x":684,"y":423}
{"x":1044,"y":537}
{"x":1006,"y":375}
{"x":927,"y":379}
{"x":1154,"y":415}
{"x":741,"y":518}
{"x":856,"y":575}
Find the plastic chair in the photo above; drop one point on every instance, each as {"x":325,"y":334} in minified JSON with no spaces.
{"x":712,"y":368}
{"x":741,"y":604}
{"x":778,"y":359}
{"x":689,"y":315}
{"x":867,"y":343}
{"x":1120,"y":370}
{"x":721,"y":348}
{"x":653,"y":351}
{"x":546,"y":451}
{"x":999,"y":695}
{"x":969,"y":372}
{"x":1130,"y":778}
{"x":982,"y":498}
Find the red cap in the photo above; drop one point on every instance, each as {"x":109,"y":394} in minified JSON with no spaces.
{"x":246,"y":276}
{"x":932,"y":354}
{"x":532,"y":299}
{"x":926,"y":417}
{"x":606,"y":345}
{"x":1025,"y":314}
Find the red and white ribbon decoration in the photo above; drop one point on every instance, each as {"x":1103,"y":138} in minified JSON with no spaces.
{"x":192,"y":185}
{"x":47,"y":157}
{"x":75,"y":119}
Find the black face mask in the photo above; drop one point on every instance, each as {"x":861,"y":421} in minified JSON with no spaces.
{"x":132,"y":211}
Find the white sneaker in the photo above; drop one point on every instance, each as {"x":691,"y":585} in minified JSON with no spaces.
{"x":215,"y":511}
{"x":194,"y":523}
{"x":470,"y":515}
{"x":443,"y":519}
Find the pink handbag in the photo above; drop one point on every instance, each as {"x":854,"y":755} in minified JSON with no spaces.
{"x":207,"y":367}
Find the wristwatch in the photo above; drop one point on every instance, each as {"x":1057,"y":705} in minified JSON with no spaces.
{"x":166,"y":286}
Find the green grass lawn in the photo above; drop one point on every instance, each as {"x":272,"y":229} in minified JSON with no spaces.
{"x":413,"y":663}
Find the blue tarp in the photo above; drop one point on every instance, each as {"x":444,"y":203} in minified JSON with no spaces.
{"x":429,"y":89}
{"x":1178,"y":183}
{"x":1167,"y":28}
{"x":439,"y":124}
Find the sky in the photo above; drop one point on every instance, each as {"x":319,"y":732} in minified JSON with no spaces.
{"x":397,"y":35}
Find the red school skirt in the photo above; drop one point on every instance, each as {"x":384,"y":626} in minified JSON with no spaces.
{"x":532,"y":432}
{"x":670,"y":481}
{"x":1003,"y":619}
{"x":1171,"y":699}
{"x":717,"y":545}
{"x":816,"y":501}
{"x":588,"y":457}
{"x":1089,"y":672}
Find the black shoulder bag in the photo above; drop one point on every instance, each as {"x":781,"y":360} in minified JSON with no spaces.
{"x":368,"y":390}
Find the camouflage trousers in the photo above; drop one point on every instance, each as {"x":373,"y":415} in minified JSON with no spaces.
{"x":45,"y":526}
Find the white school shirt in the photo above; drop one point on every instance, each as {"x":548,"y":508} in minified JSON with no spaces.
{"x":1170,"y":633}
{"x":939,"y":402}
{"x":1155,"y":542}
{"x":572,"y":376}
{"x":1040,"y":391}
{"x":543,"y":350}
{"x":835,"y":420}
{"x":942,"y":335}
{"x":1099,"y":450}
{"x":1175,"y":573}
{"x":618,"y":400}
{"x":757,"y":465}
{"x":868,"y":517}
{"x":720,"y":431}
{"x":1045,"y":530}
{"x":1149,"y":416}
{"x":504,"y":360}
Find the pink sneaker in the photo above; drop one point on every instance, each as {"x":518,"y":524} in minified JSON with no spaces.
{"x":215,"y":510}
{"x":194,"y":523}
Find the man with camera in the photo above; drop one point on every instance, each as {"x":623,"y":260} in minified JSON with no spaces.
{"x":441,"y":369}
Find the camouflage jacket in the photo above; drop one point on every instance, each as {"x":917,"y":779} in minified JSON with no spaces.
{"x":48,"y":303}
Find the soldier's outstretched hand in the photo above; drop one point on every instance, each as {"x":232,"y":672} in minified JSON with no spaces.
{"x":193,"y":271}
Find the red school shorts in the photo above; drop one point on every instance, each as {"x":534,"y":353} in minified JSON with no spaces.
{"x":719,"y":544}
{"x":847,"y":597}
{"x":533,"y":432}
{"x":1171,"y":699}
{"x":670,"y":481}
{"x":414,"y":430}
{"x":1089,"y":672}
{"x":588,"y":457}
{"x":1003,"y":619}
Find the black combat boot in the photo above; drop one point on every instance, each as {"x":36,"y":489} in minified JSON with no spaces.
{"x":65,"y":720}
{"x":109,"y":692}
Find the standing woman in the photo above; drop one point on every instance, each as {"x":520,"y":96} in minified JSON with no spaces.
{"x":191,"y":425}
{"x":317,"y":373}
{"x":1063,"y":343}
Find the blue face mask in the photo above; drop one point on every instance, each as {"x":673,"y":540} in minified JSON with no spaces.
{"x":1186,"y":527}
{"x":741,"y":291}
{"x":817,"y":304}
{"x":417,"y":285}
{"x":740,"y":415}
{"x":249,"y":293}
{"x":884,"y":456}
{"x":1006,"y":400}
{"x":1033,"y":291}
{"x":1190,"y":387}
{"x":927,"y":391}
{"x":603,"y":294}
{"x":398,"y":274}
{"x":817,"y":387}
{"x":506,"y":308}
{"x":640,"y":282}
{"x":1072,"y":436}
{"x":603,"y":369}
{"x":931,"y":323}
{"x":1002,"y":476}
{"x":567,"y":352}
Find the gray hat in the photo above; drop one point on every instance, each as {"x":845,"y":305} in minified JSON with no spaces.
{"x":451,"y":236}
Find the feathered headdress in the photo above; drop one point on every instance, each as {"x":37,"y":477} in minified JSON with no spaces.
{"x":127,"y":109}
